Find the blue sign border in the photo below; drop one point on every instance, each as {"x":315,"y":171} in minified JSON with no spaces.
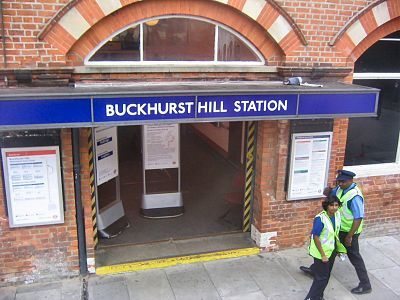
{"x":136,"y":110}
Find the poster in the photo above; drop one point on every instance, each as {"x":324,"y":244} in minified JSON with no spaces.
{"x":309,"y":165}
{"x":33,"y":185}
{"x":161,"y":146}
{"x":106,"y":148}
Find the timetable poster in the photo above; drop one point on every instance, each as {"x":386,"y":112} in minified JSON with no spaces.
{"x":161,"y":146}
{"x":309,"y":165}
{"x":33,"y":185}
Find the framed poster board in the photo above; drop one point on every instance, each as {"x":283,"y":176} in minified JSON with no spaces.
{"x":161,"y":146}
{"x":32,"y":177}
{"x":106,"y":146}
{"x":309,"y":164}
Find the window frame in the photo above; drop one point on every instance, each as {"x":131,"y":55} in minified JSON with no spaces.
{"x":382,"y":169}
{"x":140,"y":63}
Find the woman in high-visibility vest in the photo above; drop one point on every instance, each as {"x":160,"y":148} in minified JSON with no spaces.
{"x":324,"y":246}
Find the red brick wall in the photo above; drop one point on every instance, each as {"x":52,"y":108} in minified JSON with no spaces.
{"x":35,"y":253}
{"x":23,"y":22}
{"x":318,"y":20}
{"x":382,"y":202}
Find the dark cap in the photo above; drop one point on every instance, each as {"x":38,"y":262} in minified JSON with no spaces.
{"x":345,"y":175}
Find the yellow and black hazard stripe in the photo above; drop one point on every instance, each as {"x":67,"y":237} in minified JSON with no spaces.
{"x":250,"y":164}
{"x":92,"y":187}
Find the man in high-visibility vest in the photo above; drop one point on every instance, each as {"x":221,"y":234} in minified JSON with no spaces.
{"x":352,"y":215}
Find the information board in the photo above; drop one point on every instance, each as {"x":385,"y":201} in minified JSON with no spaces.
{"x":33,"y":185}
{"x":309,"y":165}
{"x":161,"y":146}
{"x":106,"y":147}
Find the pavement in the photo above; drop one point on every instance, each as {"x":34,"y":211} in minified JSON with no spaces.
{"x":258,"y":277}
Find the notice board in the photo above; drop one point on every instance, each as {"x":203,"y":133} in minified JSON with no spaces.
{"x":106,"y":146}
{"x":161,"y":146}
{"x":309,"y":165}
{"x":32,"y":177}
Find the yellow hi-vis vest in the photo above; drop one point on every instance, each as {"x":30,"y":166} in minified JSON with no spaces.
{"x":346,"y":213}
{"x":328,"y":235}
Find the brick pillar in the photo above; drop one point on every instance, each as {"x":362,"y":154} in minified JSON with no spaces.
{"x":266,"y":175}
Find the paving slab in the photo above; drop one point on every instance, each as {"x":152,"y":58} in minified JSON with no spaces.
{"x":231,"y":278}
{"x":39,"y":291}
{"x":191,"y":282}
{"x":290,"y":295}
{"x":291,"y":260}
{"x":8,"y":293}
{"x":129,"y":253}
{"x":40,"y":295}
{"x":37,"y":287}
{"x":388,"y":245}
{"x":270,"y":276}
{"x":187,"y":247}
{"x":389,"y":277}
{"x":373,"y":257}
{"x":336,"y":291}
{"x":235,"y":241}
{"x":248,"y":296}
{"x":108,"y":287}
{"x":71,"y":289}
{"x":149,"y":284}
{"x":344,"y":273}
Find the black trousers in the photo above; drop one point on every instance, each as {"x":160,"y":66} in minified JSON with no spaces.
{"x":353,"y":253}
{"x":322,"y":273}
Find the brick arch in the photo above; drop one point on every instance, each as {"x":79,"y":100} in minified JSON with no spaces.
{"x":368,"y":26}
{"x":376,"y":35}
{"x":79,"y":18}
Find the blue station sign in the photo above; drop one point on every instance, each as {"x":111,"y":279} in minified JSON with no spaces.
{"x":94,"y":111}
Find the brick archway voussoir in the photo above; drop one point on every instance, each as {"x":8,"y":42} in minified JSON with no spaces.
{"x":79,"y":16}
{"x":366,"y":27}
{"x":376,"y":35}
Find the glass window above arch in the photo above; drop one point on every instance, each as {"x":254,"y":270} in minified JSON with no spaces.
{"x":176,"y":40}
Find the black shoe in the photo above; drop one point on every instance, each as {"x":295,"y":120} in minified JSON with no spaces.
{"x":361,"y":290}
{"x":307,"y":271}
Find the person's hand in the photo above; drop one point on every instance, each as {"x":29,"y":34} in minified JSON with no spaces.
{"x":347,"y":240}
{"x":325,"y":259}
{"x":327,"y":191}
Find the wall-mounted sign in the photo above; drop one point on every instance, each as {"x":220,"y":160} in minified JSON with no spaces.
{"x":97,"y":111}
{"x":161,"y":146}
{"x":106,"y":147}
{"x":33,"y":185}
{"x":309,"y":165}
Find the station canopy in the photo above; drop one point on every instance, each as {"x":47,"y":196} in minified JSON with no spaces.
{"x":107,"y":103}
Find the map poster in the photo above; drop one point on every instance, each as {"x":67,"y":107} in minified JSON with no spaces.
{"x":161,"y":146}
{"x":33,"y":185}
{"x":309,"y":165}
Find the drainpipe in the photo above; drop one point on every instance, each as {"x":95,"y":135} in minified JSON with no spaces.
{"x":80,"y":222}
{"x":3,"y":39}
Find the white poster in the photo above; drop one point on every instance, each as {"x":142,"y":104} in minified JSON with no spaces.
{"x":161,"y":146}
{"x":106,"y":148}
{"x":33,"y":185}
{"x":309,"y":165}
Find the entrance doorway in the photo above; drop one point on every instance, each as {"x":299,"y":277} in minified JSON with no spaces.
{"x":212,"y":186}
